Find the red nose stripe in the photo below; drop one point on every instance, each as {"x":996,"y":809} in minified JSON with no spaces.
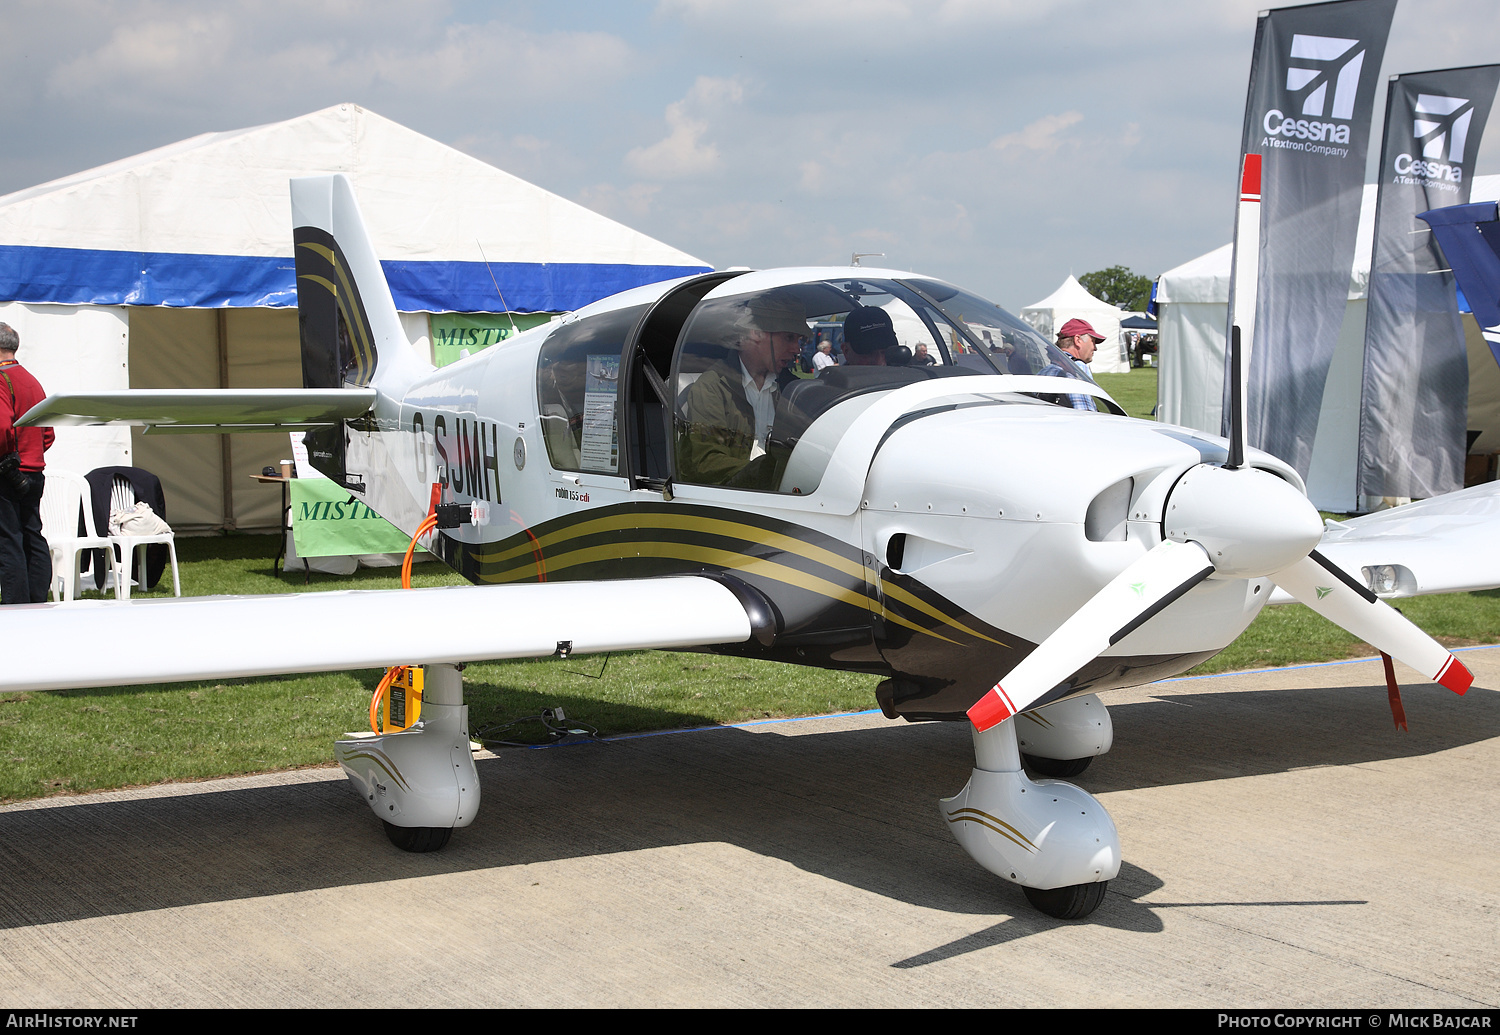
{"x":990,"y":710}
{"x":1453,"y":675}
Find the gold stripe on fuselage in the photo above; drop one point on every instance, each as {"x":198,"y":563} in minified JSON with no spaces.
{"x":741,"y":531}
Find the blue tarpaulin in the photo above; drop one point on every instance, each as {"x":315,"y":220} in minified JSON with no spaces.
{"x":78,"y":276}
{"x":1470,"y":238}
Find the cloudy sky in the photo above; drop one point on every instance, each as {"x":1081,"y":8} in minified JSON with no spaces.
{"x":1000,"y":144}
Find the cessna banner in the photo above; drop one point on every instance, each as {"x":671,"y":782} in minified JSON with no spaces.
{"x":626,"y":478}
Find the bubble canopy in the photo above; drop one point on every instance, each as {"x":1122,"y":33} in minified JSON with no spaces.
{"x":712,"y":382}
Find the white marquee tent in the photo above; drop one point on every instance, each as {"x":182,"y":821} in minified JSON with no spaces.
{"x":1193,"y":310}
{"x":1072,"y":300}
{"x":173,"y":269}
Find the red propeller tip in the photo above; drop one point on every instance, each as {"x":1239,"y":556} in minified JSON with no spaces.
{"x":989,"y":711}
{"x":1453,"y":675}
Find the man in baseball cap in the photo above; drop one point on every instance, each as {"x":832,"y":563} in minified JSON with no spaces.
{"x":1078,"y":340}
{"x":728,"y":412}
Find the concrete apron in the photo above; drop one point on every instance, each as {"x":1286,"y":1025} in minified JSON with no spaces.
{"x":1283,"y":846}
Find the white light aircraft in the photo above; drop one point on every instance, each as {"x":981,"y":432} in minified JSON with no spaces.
{"x":626,"y":478}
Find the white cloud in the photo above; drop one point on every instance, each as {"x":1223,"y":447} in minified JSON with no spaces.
{"x":814,"y":176}
{"x":244,"y":54}
{"x":622,"y":203}
{"x":857,"y":15}
{"x":1044,"y":136}
{"x":684,"y":153}
{"x":148,"y":54}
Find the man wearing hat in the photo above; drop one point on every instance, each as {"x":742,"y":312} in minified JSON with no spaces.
{"x":870,"y":339}
{"x":729,"y":410}
{"x":1078,"y":340}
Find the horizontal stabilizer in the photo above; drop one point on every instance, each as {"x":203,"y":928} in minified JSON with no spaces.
{"x":203,"y":409}
{"x":188,"y":638}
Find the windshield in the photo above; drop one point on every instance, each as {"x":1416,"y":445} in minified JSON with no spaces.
{"x":754,"y":370}
{"x":1012,"y":345}
{"x":760,"y":379}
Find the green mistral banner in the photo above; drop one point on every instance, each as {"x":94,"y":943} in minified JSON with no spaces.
{"x":455,"y":333}
{"x":328,"y":522}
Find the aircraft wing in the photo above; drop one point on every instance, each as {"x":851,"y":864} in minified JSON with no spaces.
{"x":198,"y":409}
{"x":1447,"y":544}
{"x":103,"y":643}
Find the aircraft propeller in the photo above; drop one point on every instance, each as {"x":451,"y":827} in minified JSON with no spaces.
{"x":1229,"y":519}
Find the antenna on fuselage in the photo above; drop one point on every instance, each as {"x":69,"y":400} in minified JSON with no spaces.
{"x":514,"y":330}
{"x":1243,"y":284}
{"x":854,"y":258}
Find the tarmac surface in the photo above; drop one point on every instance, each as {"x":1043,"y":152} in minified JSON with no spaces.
{"x":1283,"y":847}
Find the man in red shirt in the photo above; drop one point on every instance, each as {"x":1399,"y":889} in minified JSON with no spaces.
{"x":25,"y":561}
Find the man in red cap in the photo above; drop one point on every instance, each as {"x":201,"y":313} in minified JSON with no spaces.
{"x":1079,"y":341}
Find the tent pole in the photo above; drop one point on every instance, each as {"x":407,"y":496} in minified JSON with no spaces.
{"x":225,"y":464}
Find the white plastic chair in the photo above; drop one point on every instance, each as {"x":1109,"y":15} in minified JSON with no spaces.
{"x":133,"y":547}
{"x":65,"y":497}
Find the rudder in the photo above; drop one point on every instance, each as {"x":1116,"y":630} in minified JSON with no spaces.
{"x":350,"y":331}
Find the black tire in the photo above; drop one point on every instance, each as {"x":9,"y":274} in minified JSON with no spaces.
{"x":1071,"y":903}
{"x":417,"y":839}
{"x":1058,"y":768}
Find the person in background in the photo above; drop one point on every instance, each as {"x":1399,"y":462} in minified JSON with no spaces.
{"x":824,"y":358}
{"x":1079,"y":341}
{"x":729,"y":410}
{"x":922,"y":358}
{"x":25,"y":560}
{"x":868,"y":332}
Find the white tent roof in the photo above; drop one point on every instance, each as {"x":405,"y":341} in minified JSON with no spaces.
{"x":207,"y":222}
{"x":1071,"y":300}
{"x":1070,"y":295}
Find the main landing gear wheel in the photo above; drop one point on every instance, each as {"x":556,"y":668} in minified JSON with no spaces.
{"x":1071,"y":903}
{"x":420,"y":839}
{"x":1057,"y":768}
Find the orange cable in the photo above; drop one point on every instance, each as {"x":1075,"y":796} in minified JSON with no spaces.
{"x":394,"y":672}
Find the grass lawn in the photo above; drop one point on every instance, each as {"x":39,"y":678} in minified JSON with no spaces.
{"x":79,"y":740}
{"x":1136,"y":391}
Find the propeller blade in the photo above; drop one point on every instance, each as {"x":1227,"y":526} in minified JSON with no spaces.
{"x":1334,"y":594}
{"x":1129,"y":600}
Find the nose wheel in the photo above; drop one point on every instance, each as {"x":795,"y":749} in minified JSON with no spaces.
{"x":1071,"y":903}
{"x":1050,"y":837}
{"x":417,"y":839}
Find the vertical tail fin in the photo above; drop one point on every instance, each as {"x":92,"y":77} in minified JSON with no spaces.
{"x":351,"y":332}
